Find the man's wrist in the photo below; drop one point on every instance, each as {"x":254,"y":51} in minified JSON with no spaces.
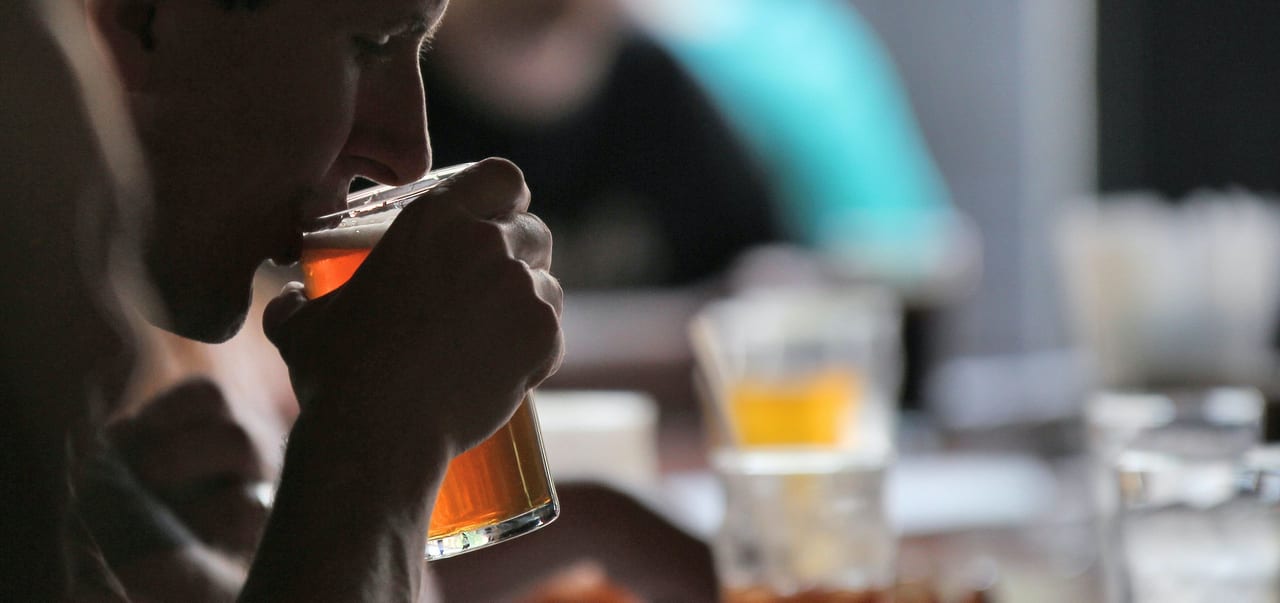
{"x":338,"y":459}
{"x":349,"y":523}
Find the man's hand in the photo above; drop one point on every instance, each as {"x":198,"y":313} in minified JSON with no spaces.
{"x":425,"y":352}
{"x":438,"y":336}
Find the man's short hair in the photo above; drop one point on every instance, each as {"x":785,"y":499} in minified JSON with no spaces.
{"x":241,"y":4}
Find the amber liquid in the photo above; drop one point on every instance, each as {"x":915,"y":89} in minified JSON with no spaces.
{"x":805,"y":409}
{"x":502,"y":478}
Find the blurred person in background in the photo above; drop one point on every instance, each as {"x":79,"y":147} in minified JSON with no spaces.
{"x":636,"y":172}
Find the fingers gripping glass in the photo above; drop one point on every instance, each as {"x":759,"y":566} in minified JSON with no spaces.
{"x":493,"y":492}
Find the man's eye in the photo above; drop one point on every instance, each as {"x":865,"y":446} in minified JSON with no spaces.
{"x":373,"y":47}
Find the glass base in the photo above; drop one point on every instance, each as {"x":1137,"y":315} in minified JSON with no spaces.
{"x":470,"y":540}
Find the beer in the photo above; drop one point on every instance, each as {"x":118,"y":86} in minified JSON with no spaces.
{"x":495,"y":491}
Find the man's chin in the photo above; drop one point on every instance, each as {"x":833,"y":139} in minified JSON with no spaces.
{"x":211,"y":328}
{"x":202,"y":317}
{"x":208,"y":324}
{"x":199,"y":298}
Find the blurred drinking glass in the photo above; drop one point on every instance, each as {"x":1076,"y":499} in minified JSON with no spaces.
{"x":1182,"y":522}
{"x":601,"y":435}
{"x":499,"y":489}
{"x":798,"y":389}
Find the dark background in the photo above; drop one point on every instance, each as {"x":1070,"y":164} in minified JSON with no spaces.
{"x":1188,"y":95}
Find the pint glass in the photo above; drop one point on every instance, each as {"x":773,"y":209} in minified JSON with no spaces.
{"x":493,"y":492}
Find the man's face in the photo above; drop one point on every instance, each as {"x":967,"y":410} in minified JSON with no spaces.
{"x":529,"y":61}
{"x":256,"y":120}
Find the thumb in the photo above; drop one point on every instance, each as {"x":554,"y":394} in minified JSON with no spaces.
{"x":280,"y":310}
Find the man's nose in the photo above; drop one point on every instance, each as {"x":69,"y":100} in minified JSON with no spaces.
{"x":390,"y":129}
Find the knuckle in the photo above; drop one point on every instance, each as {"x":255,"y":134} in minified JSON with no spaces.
{"x":534,"y":223}
{"x":538,"y":230}
{"x":554,"y":288}
{"x":486,"y":234}
{"x":501,"y":173}
{"x":538,"y":297}
{"x":544,"y":322}
{"x":500,"y":184}
{"x":514,"y":275}
{"x":551,"y":358}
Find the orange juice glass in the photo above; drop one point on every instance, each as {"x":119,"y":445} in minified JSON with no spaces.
{"x":797,"y":388}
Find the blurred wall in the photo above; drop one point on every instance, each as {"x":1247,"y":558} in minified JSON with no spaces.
{"x":1190,"y":92}
{"x":1004,"y":91}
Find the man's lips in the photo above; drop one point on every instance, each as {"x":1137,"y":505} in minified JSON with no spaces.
{"x":291,"y":253}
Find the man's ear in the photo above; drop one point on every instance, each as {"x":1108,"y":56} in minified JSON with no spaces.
{"x":126,"y":28}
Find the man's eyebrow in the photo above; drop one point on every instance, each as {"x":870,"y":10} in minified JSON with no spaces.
{"x":411,"y":24}
{"x":415,"y":24}
{"x":418,"y":27}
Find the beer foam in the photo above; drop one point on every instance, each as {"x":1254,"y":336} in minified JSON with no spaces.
{"x":352,"y":233}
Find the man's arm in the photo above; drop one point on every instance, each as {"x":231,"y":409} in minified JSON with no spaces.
{"x":341,"y":531}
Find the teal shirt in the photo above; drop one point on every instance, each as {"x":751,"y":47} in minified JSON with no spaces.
{"x":809,"y":87}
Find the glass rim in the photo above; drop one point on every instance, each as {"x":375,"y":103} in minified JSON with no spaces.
{"x":384,"y":197}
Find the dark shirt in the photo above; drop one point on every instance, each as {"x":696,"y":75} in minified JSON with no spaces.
{"x":48,"y":552}
{"x":644,"y":186}
{"x":83,"y":514}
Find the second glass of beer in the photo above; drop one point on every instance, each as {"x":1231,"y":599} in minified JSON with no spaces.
{"x":493,"y":492}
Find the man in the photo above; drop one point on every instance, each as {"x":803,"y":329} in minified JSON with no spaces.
{"x":253,"y":119}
